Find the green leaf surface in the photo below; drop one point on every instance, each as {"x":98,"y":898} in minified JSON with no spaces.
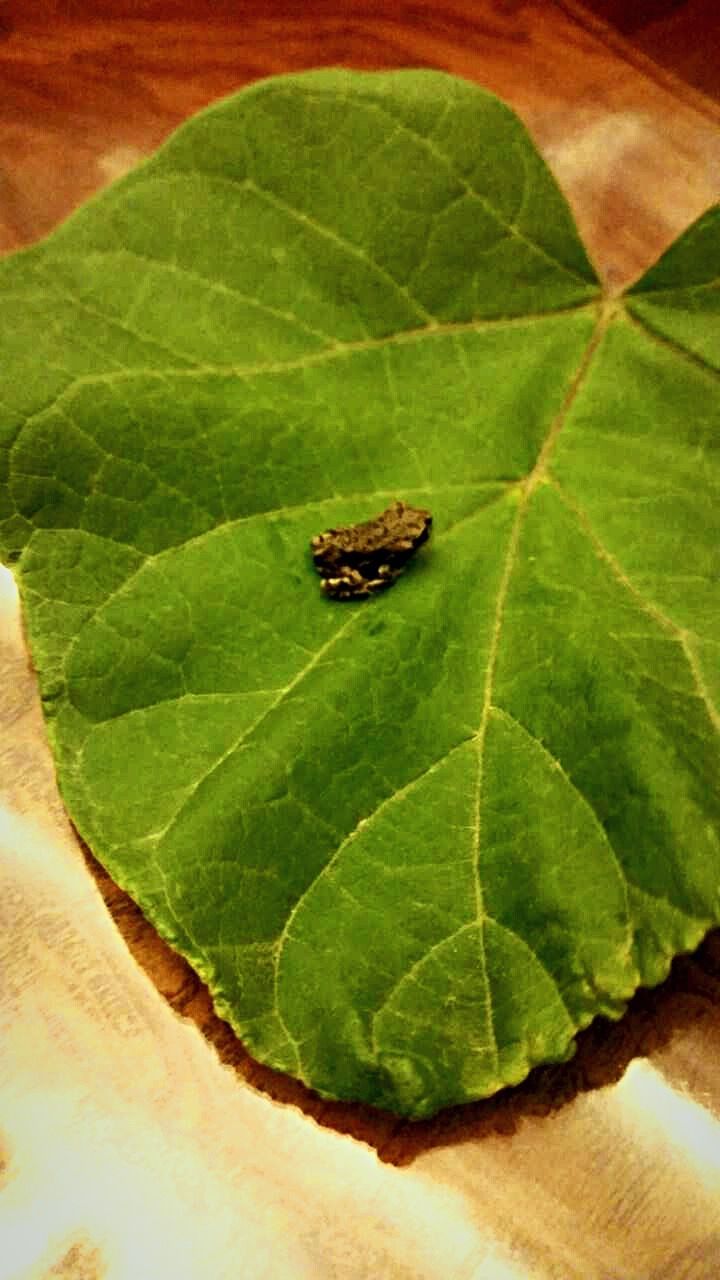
{"x":412,"y":843}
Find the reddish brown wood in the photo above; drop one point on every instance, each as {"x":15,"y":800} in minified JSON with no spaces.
{"x":89,"y":88}
{"x":682,"y":36}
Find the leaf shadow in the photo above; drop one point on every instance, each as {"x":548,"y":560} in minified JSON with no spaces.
{"x":654,"y":1017}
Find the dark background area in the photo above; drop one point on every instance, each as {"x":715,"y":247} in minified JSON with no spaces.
{"x":682,"y":35}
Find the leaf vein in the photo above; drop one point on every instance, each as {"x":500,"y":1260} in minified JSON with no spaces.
{"x":586,"y":803}
{"x":328,"y":233}
{"x":361,"y":824}
{"x":670,"y":344}
{"x":509,"y":226}
{"x":430,"y":332}
{"x":217,"y":286}
{"x":116,"y":323}
{"x":682,"y":635}
{"x":247,"y":732}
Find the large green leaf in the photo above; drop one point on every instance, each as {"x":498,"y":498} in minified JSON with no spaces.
{"x":412,"y":843}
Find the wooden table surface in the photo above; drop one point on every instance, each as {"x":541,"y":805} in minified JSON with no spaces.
{"x":623,"y":100}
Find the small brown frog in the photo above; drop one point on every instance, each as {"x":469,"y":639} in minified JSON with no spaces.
{"x":360,"y":559}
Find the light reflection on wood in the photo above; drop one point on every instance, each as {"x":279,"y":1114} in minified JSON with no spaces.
{"x":126,"y":1140}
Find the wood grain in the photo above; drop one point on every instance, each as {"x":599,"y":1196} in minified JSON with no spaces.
{"x":681,"y":35}
{"x":88,"y":89}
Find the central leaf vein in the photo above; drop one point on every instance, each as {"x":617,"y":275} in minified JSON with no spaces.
{"x":479,"y":738}
{"x":536,"y":475}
